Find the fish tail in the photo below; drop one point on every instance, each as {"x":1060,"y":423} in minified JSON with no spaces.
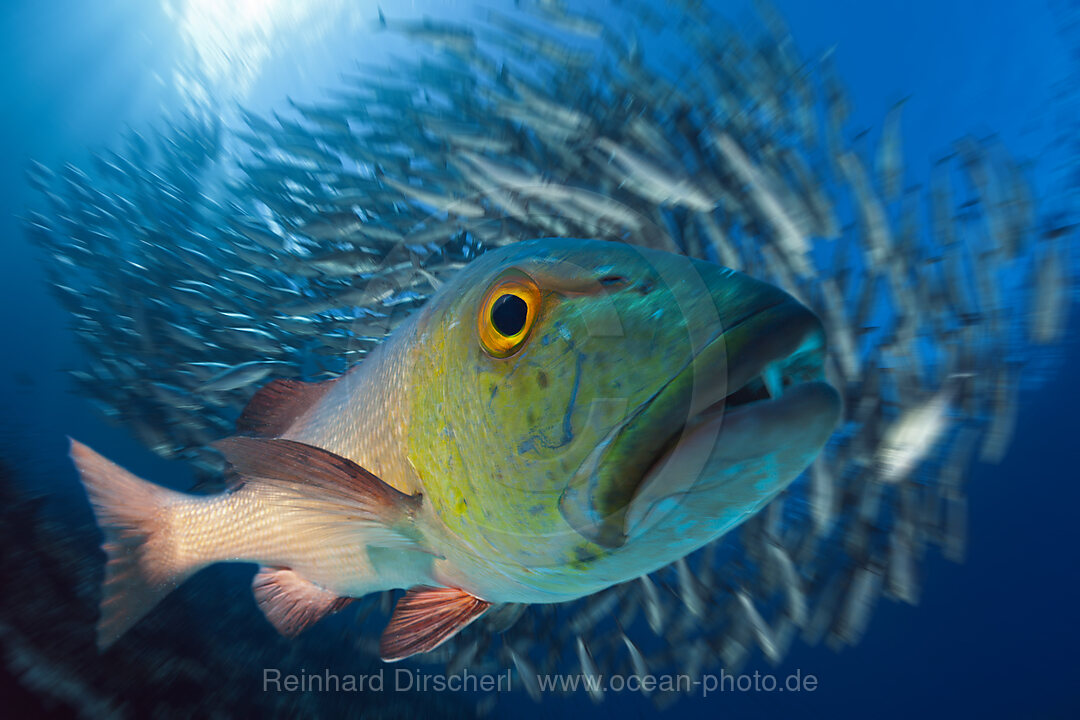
{"x":142,"y":566}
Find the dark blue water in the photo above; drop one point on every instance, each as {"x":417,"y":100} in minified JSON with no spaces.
{"x":995,"y":636}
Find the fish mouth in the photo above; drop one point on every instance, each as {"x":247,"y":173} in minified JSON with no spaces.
{"x":785,"y":411}
{"x":790,"y":353}
{"x":756,"y":385}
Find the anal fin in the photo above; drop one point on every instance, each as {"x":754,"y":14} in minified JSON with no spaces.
{"x":425,"y":618}
{"x":291,"y":603}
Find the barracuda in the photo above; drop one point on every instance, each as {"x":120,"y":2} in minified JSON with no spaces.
{"x":561,"y":416}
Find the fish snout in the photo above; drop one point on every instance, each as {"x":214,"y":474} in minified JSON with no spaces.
{"x":753,"y":344}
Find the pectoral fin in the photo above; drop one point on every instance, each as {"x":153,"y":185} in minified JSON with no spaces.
{"x":291,"y":603}
{"x":426,"y":618}
{"x":341,"y":497}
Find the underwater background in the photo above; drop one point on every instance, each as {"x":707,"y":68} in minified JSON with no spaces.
{"x":992,"y":635}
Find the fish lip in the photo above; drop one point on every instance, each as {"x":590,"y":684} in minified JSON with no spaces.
{"x":654,"y":490}
{"x":784,"y":330}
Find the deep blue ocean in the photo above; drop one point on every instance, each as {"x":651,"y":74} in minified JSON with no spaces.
{"x":994,"y":636}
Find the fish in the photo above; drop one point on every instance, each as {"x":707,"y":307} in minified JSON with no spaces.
{"x":652,"y":181}
{"x":598,"y":607}
{"x":688,"y":590}
{"x":433,"y":32}
{"x":637,"y":660}
{"x":792,"y":584}
{"x":761,"y":631}
{"x":456,"y":206}
{"x":900,"y":579}
{"x":655,"y":613}
{"x":503,"y":617}
{"x":866,"y":583}
{"x":237,"y":376}
{"x":1048,"y":315}
{"x":591,"y":673}
{"x":502,"y":412}
{"x":914,"y":435}
{"x":528,"y":675}
{"x":793,"y":242}
{"x":890,"y":154}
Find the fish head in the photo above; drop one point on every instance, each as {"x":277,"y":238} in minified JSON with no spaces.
{"x":567,"y":394}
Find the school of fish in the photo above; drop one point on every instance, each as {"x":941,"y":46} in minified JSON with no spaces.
{"x":229,"y":248}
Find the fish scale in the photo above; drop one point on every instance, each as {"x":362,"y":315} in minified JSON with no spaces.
{"x":254,"y":524}
{"x":364,"y":415}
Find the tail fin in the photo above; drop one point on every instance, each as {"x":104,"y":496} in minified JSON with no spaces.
{"x":132,"y":514}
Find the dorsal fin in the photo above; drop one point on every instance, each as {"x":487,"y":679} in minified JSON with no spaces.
{"x":277,"y":405}
{"x":425,"y":618}
{"x":291,"y":603}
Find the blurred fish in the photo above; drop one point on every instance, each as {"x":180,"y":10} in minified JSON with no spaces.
{"x":1050,"y":305}
{"x":865,"y":586}
{"x":654,"y":609}
{"x":242,"y":375}
{"x":637,"y":660}
{"x":891,"y":155}
{"x":591,"y":673}
{"x":757,"y":624}
{"x":915,"y":433}
{"x":527,"y":673}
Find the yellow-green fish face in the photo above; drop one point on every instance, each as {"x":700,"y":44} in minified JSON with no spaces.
{"x":551,"y":377}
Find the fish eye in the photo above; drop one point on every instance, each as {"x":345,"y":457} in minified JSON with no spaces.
{"x":507,"y":313}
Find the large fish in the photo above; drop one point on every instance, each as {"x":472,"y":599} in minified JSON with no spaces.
{"x":561,"y":416}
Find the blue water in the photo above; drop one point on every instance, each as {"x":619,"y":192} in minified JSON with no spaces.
{"x":995,"y":636}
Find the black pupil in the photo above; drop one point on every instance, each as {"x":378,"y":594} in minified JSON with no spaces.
{"x":508,"y":315}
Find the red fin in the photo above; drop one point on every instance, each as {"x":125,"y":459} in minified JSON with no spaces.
{"x":335,"y":488}
{"x":426,"y":618}
{"x":140,"y":569}
{"x":291,"y":603}
{"x":278,"y":404}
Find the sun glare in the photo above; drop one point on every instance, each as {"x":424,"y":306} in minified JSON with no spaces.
{"x":231,"y":42}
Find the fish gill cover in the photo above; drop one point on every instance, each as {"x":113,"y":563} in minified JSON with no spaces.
{"x":225,"y":247}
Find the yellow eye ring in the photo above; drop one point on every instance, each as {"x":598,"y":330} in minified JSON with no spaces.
{"x":507,"y":313}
